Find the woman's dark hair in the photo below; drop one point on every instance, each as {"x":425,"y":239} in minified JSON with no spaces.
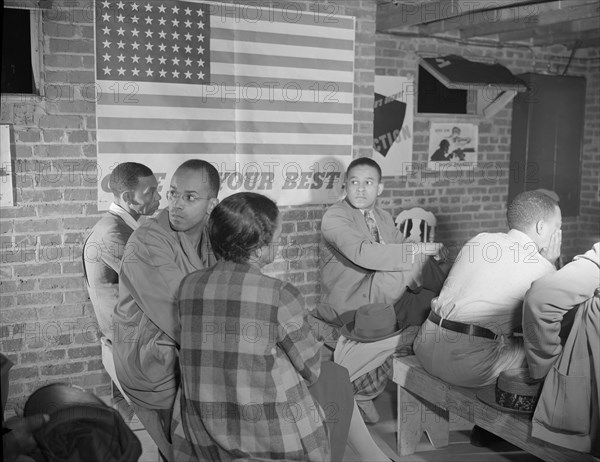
{"x":241,"y":224}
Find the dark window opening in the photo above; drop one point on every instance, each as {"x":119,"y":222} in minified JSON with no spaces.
{"x":17,"y":71}
{"x":434,"y":97}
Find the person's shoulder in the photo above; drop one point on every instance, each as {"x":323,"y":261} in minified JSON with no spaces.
{"x":109,"y":226}
{"x":383,"y":213}
{"x":153,"y":228}
{"x":338,"y":210}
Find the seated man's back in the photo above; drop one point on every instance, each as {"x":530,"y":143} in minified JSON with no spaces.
{"x":467,"y":339}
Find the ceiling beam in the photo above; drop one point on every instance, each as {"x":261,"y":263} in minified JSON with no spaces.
{"x":518,"y":14}
{"x":399,"y":14}
{"x":587,"y":38}
{"x":542,"y":32}
{"x":565,"y":12}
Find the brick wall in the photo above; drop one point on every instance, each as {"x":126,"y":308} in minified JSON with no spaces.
{"x":48,"y":328}
{"x":477,"y":201}
{"x":47,"y":325}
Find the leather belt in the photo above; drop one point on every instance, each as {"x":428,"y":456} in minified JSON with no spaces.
{"x":455,"y":326}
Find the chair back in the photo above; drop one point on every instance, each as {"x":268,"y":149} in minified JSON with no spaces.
{"x":417,"y":225}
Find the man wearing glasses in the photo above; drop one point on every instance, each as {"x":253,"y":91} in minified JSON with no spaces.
{"x":159,"y":254}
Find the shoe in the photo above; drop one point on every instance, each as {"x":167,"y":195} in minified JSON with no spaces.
{"x":368,"y":411}
{"x":483,"y":438}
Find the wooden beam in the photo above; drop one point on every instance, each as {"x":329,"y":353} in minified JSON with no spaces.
{"x":519,"y":14}
{"x":589,"y":37}
{"x":400,"y":14}
{"x":497,"y":104}
{"x":542,"y":32}
{"x":545,"y":18}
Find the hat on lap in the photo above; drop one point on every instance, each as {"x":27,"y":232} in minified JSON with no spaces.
{"x":372,"y":322}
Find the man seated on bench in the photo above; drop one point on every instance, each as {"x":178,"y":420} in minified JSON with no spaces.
{"x":467,"y":339}
{"x":561,"y":314}
{"x":370,"y":262}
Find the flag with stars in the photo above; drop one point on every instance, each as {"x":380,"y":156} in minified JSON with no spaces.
{"x":264,"y":94}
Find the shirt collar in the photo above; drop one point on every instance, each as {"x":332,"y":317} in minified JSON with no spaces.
{"x":124,"y":215}
{"x":521,"y":238}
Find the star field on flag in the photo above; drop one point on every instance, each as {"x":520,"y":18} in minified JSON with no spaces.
{"x":153,"y":42}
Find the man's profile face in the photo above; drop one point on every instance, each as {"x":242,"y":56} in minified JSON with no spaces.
{"x":145,"y":196}
{"x":363,"y":185}
{"x":195,"y":200}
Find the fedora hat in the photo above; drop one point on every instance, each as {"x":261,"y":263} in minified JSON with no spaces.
{"x":372,"y":322}
{"x":514,"y":391}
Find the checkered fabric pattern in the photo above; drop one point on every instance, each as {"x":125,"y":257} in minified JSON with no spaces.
{"x":247,"y":355}
{"x":371,"y":384}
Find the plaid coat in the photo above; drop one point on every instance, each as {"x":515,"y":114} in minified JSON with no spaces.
{"x":247,"y":356}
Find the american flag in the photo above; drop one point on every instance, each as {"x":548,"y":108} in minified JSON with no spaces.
{"x":229,"y":83}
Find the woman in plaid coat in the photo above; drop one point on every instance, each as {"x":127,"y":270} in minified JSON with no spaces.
{"x":247,"y":354}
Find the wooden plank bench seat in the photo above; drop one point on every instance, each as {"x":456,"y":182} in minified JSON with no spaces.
{"x":426,"y":402}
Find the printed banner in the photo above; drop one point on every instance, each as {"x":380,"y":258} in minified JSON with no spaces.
{"x":451,"y":142}
{"x":264,"y":94}
{"x":393,"y":123}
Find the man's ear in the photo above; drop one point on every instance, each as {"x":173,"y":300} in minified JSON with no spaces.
{"x":539,"y":226}
{"x":379,"y":189}
{"x":126,"y":197}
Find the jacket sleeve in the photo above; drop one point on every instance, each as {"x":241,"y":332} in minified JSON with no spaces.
{"x":152,"y":276}
{"x":295,"y":337}
{"x":340,"y":231}
{"x":545,"y":305}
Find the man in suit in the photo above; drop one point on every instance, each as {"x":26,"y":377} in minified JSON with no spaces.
{"x":135,"y":193}
{"x":369,"y":263}
{"x":369,"y":260}
{"x":163,"y":251}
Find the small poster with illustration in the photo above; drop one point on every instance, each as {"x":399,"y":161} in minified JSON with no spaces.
{"x":453,"y":142}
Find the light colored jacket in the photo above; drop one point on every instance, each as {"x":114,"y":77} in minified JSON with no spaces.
{"x":568,"y":411}
{"x":356,"y":270}
{"x":156,"y":260}
{"x":102,"y":253}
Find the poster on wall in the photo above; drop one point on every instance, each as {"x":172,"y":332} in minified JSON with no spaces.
{"x":393,"y":123}
{"x":274,"y":117}
{"x":7,"y":191}
{"x":452,"y":142}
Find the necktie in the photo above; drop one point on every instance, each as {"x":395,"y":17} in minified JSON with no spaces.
{"x":372,"y":225}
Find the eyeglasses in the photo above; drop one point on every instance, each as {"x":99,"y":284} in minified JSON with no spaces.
{"x":188,"y":198}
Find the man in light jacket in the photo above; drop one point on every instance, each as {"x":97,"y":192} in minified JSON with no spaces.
{"x":159,"y":254}
{"x":567,"y":413}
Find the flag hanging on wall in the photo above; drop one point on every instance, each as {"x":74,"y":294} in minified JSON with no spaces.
{"x":264,"y":94}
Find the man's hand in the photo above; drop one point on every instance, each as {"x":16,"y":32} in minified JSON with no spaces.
{"x":19,"y":440}
{"x":552,"y":252}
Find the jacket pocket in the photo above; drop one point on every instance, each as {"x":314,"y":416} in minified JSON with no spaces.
{"x":565,"y":403}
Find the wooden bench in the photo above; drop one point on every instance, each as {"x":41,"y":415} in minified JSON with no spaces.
{"x":425,"y":404}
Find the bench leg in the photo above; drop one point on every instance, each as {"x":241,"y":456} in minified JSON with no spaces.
{"x":416,"y":416}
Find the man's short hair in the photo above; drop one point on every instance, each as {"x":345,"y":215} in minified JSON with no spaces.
{"x":363,"y":161}
{"x":241,"y":224}
{"x":126,"y":176}
{"x":208,"y":171}
{"x":529,"y":207}
{"x":551,"y":194}
{"x":456,"y":129}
